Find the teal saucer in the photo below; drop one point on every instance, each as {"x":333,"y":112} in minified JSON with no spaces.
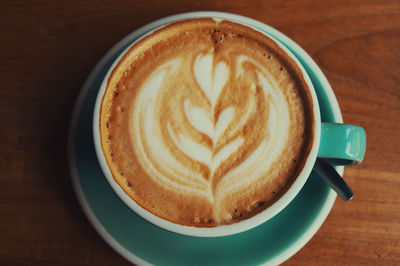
{"x":144,"y":243}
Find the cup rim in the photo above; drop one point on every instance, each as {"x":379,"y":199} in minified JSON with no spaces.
{"x":220,"y":230}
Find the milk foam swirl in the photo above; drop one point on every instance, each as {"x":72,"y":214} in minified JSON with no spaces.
{"x":196,"y":136}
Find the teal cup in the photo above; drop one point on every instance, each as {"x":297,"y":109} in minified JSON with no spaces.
{"x":342,"y":144}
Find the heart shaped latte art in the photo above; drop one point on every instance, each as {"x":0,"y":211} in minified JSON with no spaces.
{"x":216,"y":129}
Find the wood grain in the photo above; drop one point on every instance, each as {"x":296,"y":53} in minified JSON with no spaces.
{"x":47,"y":49}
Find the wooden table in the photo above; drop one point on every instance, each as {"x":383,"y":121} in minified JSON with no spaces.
{"x":48,"y":48}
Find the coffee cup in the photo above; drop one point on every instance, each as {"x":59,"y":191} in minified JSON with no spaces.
{"x":210,"y":111}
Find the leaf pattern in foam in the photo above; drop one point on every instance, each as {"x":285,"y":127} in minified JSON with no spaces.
{"x":219,"y":146}
{"x":199,"y":119}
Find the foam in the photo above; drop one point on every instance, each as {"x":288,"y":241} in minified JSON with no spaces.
{"x":211,"y":128}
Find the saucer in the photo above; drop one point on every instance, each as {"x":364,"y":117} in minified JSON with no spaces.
{"x":143,"y":243}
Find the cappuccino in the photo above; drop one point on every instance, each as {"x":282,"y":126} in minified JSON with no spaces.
{"x":206,"y":122}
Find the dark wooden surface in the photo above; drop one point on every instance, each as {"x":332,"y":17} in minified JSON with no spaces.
{"x":47,"y":49}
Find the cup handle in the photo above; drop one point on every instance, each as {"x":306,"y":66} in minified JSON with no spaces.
{"x":342,"y":144}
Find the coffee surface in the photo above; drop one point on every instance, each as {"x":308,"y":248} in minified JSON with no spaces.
{"x":206,"y":122}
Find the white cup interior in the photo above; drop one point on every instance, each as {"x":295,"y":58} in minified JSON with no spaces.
{"x":221,"y":230}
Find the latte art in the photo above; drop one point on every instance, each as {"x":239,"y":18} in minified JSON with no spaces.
{"x":203,"y":123}
{"x":201,"y":142}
